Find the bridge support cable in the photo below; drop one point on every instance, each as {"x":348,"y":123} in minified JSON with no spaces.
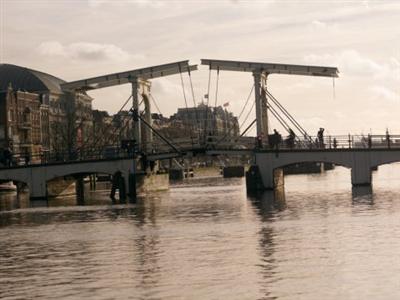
{"x":194,"y":105}
{"x":207,"y":107}
{"x":248,"y":114}
{"x":158,"y":109}
{"x":247,"y":129}
{"x":136,"y":117}
{"x":283,"y":123}
{"x":247,"y":101}
{"x":244,"y":107}
{"x":123,"y":127}
{"x":288,"y":115}
{"x":103,"y":131}
{"x":155,"y":103}
{"x":279,"y":118}
{"x":187,"y":108}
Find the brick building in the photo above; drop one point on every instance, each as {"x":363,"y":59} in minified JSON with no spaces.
{"x":36,"y":116}
{"x":20,"y":121}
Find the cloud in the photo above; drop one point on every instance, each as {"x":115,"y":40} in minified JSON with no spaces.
{"x":318,"y":24}
{"x":382,"y":92}
{"x":352,"y":63}
{"x":52,"y":48}
{"x":348,"y":61}
{"x":84,"y":51}
{"x":144,"y":3}
{"x":92,"y":51}
{"x":166,"y":86}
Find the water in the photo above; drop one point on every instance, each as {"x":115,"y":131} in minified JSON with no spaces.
{"x":206,"y":239}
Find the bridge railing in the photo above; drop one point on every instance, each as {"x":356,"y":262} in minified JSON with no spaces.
{"x":49,"y":157}
{"x":338,"y":142}
{"x":310,"y":142}
{"x":233,"y":143}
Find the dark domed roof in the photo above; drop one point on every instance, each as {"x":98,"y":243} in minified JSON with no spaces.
{"x":25,"y":79}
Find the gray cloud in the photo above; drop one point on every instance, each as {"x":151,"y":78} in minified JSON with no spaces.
{"x":83,"y":51}
{"x":80,"y":39}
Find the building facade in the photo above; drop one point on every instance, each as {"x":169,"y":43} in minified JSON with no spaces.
{"x":36,"y":116}
{"x":209,"y":121}
{"x":20,"y":124}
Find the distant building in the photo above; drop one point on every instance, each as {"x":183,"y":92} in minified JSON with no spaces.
{"x":111,"y":130}
{"x":208,"y":121}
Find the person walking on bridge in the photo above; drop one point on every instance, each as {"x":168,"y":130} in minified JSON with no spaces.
{"x":291,"y":138}
{"x":276,"y":139}
{"x":320,"y":136}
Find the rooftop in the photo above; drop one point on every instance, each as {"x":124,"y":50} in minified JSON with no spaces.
{"x":28,"y":80}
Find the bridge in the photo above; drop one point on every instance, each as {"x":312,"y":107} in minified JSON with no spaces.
{"x":269,"y":153}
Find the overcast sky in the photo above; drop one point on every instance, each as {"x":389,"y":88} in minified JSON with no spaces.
{"x":80,"y":39}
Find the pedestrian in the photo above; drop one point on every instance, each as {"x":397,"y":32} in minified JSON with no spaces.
{"x":320,"y":137}
{"x":290,"y":139}
{"x":27,"y":159}
{"x":334,"y":143}
{"x":277,"y":139}
{"x":7,"y":154}
{"x":387,"y":138}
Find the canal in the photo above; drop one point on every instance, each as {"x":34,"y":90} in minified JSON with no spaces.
{"x":206,"y":238}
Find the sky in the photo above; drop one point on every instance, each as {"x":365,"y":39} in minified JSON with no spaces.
{"x":78,"y":39}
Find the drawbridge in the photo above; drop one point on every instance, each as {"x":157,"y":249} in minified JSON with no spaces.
{"x":358,"y":152}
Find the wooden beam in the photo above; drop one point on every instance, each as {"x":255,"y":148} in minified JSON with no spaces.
{"x":270,"y":68}
{"x":125,"y":77}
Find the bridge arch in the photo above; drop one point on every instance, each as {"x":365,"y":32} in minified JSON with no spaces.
{"x":51,"y":177}
{"x":294,"y":161}
{"x":37,"y":176}
{"x":385,"y":161}
{"x":11,"y":176}
{"x":358,"y":163}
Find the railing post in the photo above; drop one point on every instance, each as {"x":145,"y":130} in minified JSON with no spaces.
{"x":388,"y":139}
{"x":349,"y":141}
{"x":369,"y":141}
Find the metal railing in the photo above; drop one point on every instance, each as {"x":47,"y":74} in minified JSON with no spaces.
{"x":184,"y":145}
{"x":53,"y":157}
{"x":337,"y":142}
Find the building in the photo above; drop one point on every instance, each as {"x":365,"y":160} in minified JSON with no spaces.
{"x":37,"y":116}
{"x":20,"y":122}
{"x":111,"y":130}
{"x":204,"y":121}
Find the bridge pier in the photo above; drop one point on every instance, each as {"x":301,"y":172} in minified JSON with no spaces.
{"x":264,"y":178}
{"x":80,"y":190}
{"x":37,"y":188}
{"x":361,"y":171}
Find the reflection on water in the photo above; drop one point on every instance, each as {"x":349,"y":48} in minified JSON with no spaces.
{"x":362,"y":194}
{"x":10,"y":200}
{"x":207,"y":238}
